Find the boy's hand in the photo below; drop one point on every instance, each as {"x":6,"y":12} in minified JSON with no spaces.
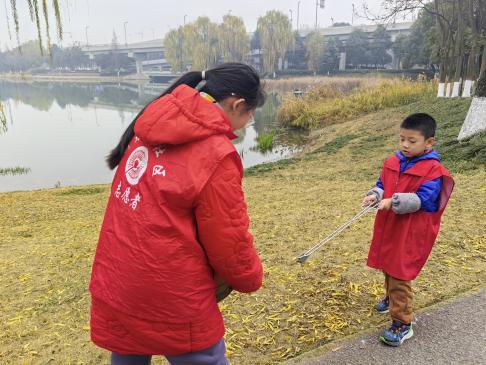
{"x":385,"y":204}
{"x":369,"y":200}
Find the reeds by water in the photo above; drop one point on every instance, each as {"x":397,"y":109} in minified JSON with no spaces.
{"x":327,"y":104}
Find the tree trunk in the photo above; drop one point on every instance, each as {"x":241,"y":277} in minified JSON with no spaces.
{"x":481,"y":88}
{"x":472,"y":65}
{"x":459,"y":51}
{"x":443,"y":51}
{"x":447,"y":63}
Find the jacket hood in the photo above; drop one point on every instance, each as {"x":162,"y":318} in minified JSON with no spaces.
{"x":432,"y":155}
{"x":180,"y":117}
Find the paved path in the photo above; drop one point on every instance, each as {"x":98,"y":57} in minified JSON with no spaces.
{"x":451,"y":334}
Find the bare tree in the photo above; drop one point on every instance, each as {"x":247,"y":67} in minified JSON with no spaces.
{"x":472,"y":72}
{"x":454,"y":19}
{"x":459,"y":46}
{"x":481,"y":19}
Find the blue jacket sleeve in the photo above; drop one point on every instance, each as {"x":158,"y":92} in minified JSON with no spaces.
{"x":429,"y":194}
{"x":379,"y":184}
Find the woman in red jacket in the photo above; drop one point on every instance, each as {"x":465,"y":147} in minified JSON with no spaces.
{"x":176,"y":219}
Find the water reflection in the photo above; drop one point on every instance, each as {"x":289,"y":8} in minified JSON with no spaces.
{"x":42,"y":95}
{"x":3,"y":119}
{"x":14,"y":171}
{"x":62,"y":131}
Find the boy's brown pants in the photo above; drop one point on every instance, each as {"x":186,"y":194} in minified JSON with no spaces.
{"x":401,"y":297}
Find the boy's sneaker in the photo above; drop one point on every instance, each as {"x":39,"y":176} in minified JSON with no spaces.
{"x":383,"y":306}
{"x":396,"y":334}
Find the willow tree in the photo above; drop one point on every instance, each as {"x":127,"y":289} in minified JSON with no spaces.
{"x":234,"y":42}
{"x":38,"y":13}
{"x":276,"y":37}
{"x":176,"y":51}
{"x":202,"y":41}
{"x":314,"y":45}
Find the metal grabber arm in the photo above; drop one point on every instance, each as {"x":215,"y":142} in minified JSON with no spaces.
{"x":306,"y":255}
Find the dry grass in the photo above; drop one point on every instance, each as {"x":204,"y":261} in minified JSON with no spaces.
{"x":48,"y":238}
{"x":328,"y":104}
{"x":306,"y":84}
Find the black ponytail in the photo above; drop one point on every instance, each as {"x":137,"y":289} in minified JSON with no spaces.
{"x":116,"y":154}
{"x":225,"y":80}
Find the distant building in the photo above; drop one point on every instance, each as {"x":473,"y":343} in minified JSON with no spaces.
{"x":296,"y":56}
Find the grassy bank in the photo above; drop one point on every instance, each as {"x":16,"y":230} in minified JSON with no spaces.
{"x":48,"y":238}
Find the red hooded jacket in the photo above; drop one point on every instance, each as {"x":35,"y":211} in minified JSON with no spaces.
{"x":175,"y":218}
{"x":402,"y":242}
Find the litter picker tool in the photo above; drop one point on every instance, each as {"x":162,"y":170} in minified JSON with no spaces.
{"x":306,"y":255}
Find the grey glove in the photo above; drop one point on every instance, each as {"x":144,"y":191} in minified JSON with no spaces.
{"x":404,"y":203}
{"x":376,"y":191}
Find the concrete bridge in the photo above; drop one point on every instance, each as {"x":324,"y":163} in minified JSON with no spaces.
{"x":148,"y":53}
{"x":151,"y":54}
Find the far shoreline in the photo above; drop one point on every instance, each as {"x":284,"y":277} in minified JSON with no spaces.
{"x":79,"y":77}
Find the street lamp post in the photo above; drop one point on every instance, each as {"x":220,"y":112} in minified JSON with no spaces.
{"x":321,"y":4}
{"x":291,"y":18}
{"x":181,"y":58}
{"x":86,"y":33}
{"x":125,"y":27}
{"x":298,"y":13}
{"x":70,"y":36}
{"x":272,"y":45}
{"x":185,"y":15}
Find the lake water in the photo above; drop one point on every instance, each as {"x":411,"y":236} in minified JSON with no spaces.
{"x":61,"y":132}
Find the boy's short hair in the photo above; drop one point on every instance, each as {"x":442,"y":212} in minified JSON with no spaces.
{"x":420,"y":122}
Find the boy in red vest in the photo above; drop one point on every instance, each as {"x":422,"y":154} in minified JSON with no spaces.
{"x":412,"y":193}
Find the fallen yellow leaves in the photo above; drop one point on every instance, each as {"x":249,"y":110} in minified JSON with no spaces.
{"x":48,"y":238}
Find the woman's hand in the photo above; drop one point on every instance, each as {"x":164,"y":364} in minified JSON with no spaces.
{"x":385,"y":204}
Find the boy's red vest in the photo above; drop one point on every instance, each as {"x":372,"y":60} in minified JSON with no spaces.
{"x":402,"y":242}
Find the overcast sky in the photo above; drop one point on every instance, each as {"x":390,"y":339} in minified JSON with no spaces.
{"x":148,"y":19}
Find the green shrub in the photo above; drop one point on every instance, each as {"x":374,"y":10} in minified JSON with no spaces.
{"x":265,"y":141}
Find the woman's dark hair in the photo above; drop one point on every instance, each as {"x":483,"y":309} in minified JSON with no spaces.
{"x":221,"y":82}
